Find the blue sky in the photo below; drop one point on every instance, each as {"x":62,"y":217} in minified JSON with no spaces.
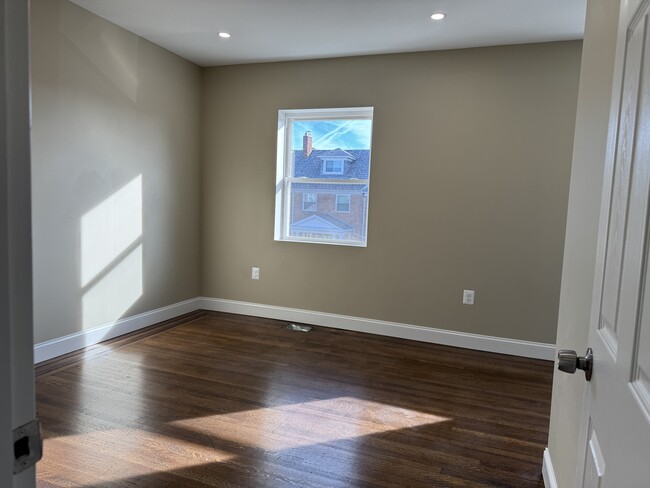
{"x":330,"y":134}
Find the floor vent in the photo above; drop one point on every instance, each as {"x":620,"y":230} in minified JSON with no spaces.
{"x":299,"y":328}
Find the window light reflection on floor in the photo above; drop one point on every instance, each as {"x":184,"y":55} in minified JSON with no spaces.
{"x":304,"y":424}
{"x":273,"y":428}
{"x":162,"y":453}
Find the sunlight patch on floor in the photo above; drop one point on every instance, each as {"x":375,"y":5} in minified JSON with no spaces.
{"x":305,"y":424}
{"x":274,"y":428}
{"x":105,"y":452}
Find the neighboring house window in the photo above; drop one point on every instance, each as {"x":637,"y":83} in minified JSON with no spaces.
{"x":343,"y":203}
{"x":333,"y":166}
{"x":309,"y":202}
{"x":323,"y":166}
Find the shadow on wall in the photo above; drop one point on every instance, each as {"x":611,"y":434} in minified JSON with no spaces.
{"x":111,"y":256}
{"x":111,"y":54}
{"x":115,"y":135}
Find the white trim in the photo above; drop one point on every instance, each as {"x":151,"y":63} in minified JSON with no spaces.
{"x":330,"y":242}
{"x":64,"y":345}
{"x":548,"y":473}
{"x":16,"y":316}
{"x":328,"y":181}
{"x":326,"y":113}
{"x":478,"y":342}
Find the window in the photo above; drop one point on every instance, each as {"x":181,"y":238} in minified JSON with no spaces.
{"x":309,"y":202}
{"x":333,"y":166}
{"x":323,"y":175}
{"x":343,"y":203}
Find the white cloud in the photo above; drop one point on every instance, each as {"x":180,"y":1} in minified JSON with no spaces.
{"x":346,"y":134}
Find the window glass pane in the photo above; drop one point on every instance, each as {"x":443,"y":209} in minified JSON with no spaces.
{"x":331,"y":148}
{"x":333,"y":166}
{"x":309,"y":201}
{"x":340,"y":214}
{"x":342,"y":203}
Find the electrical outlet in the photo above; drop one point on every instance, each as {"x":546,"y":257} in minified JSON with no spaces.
{"x":468,"y":297}
{"x":255,"y":273}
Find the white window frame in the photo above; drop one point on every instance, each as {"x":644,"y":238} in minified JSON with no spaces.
{"x":337,"y":161}
{"x":285,"y":177}
{"x":315,"y":202}
{"x":336,"y":202}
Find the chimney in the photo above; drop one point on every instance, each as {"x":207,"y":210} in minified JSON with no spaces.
{"x":306,"y":144}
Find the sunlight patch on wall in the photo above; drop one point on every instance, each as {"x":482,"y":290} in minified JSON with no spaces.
{"x":110,"y":228}
{"x":305,"y":424}
{"x":114,"y":294}
{"x":111,"y":256}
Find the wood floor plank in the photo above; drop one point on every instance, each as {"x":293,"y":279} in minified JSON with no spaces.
{"x":220,"y":400}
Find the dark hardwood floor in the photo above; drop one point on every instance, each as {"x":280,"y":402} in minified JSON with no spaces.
{"x":219,"y":400}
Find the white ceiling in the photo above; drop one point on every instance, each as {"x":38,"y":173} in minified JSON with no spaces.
{"x":278,"y":30}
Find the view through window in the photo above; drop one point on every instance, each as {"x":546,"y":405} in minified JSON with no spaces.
{"x":323,"y":175}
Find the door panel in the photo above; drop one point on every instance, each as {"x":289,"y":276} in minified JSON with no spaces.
{"x":617,"y":432}
{"x":640,"y":372}
{"x":619,"y":196}
{"x":594,"y":463}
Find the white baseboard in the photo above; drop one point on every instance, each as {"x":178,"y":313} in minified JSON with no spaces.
{"x":548,"y":473}
{"x":64,"y":345}
{"x":501,"y":345}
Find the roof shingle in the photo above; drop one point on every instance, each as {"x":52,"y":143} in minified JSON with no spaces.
{"x":312,"y":165}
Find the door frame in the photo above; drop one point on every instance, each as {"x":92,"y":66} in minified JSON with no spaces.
{"x":16,"y":322}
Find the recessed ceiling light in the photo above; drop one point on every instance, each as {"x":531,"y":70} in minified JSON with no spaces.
{"x":225,"y":35}
{"x":439,"y":16}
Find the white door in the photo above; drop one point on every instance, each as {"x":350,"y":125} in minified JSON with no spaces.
{"x":16,"y":342}
{"x":616,"y":430}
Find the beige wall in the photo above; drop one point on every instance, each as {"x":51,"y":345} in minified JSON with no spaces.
{"x":469,"y":184}
{"x":469,"y":181}
{"x":109,"y":108}
{"x":582,"y":229}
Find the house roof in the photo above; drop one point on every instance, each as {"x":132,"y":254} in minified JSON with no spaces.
{"x":321,"y":223}
{"x":312,"y":165}
{"x":336,"y":153}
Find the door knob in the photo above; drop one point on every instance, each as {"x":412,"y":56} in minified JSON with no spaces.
{"x":569,"y":361}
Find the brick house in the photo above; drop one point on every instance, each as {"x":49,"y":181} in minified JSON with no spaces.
{"x":329,"y":211}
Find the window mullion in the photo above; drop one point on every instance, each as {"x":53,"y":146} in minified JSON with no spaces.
{"x":328,"y":181}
